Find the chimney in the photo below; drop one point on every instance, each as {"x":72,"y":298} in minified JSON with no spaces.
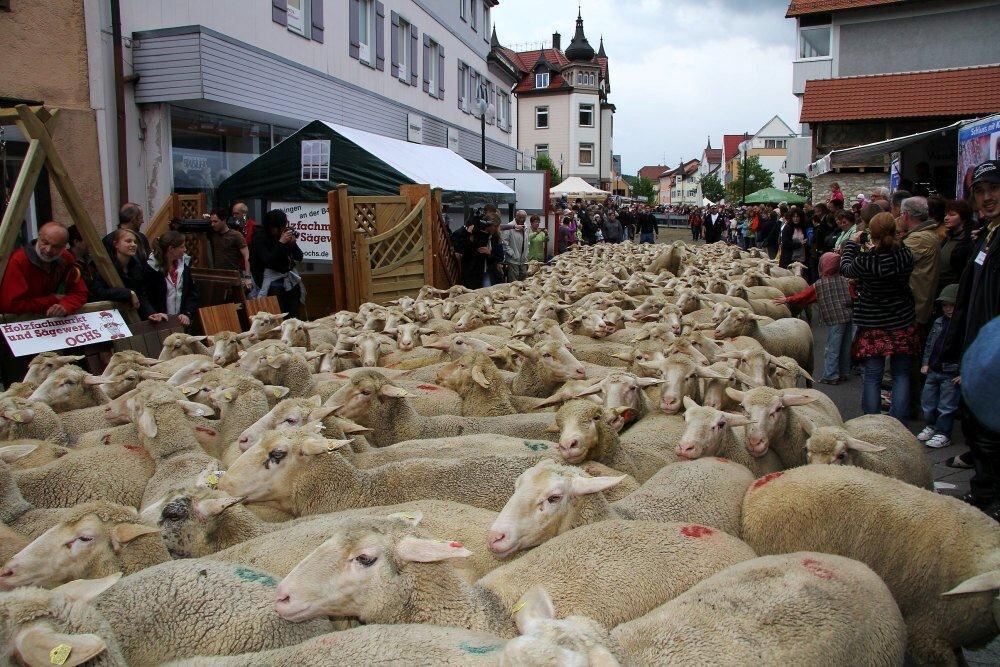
{"x":557,"y":41}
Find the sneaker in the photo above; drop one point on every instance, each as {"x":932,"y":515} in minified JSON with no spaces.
{"x":926,"y":434}
{"x":958,"y":462}
{"x":938,"y":441}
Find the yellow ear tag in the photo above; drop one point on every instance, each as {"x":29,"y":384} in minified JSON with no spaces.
{"x":407,"y":516}
{"x":518,"y":607}
{"x":17,"y":417}
{"x":228,"y":395}
{"x":212,"y":480}
{"x":60,"y":654}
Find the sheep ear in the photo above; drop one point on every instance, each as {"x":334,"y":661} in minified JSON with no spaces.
{"x":193,"y":409}
{"x":743,"y":379}
{"x":11,"y":453}
{"x":276,"y":391}
{"x":87,"y":590}
{"x":411,"y":519}
{"x":123,"y":533}
{"x":808,"y":425}
{"x":689,"y":403}
{"x":392,"y":391}
{"x":862,"y":446}
{"x":152,"y":375}
{"x":147,"y":423}
{"x":987,"y":581}
{"x":789,"y":400}
{"x":553,"y":428}
{"x":209,"y":507}
{"x":649,"y":382}
{"x":522,"y":349}
{"x":93,"y":380}
{"x":735,"y":394}
{"x":736,"y":420}
{"x":351,"y":428}
{"x":589,"y":391}
{"x":315,"y":446}
{"x":708,"y":373}
{"x":42,"y":645}
{"x":534,"y":606}
{"x":581,"y":486}
{"x":417,"y":550}
{"x":480,"y":378}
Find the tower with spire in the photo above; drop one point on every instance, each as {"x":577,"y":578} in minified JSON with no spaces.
{"x":563,"y":106}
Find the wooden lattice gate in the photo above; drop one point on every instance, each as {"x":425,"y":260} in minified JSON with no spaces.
{"x":381,"y":245}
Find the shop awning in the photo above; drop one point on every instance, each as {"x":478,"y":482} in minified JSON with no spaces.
{"x":576,"y":187}
{"x":370,"y":164}
{"x":852,"y":156}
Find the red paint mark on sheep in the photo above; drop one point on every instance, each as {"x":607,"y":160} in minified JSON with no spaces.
{"x":136,"y":449}
{"x":342,"y":376}
{"x":816,"y":567}
{"x":205,"y":429}
{"x":455,"y":545}
{"x":428,"y":387}
{"x":767,"y":478}
{"x":106,"y":440}
{"x":695,"y":530}
{"x":723,"y":459}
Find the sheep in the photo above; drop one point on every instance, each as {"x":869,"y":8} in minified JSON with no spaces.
{"x":298,"y":472}
{"x":794,"y":609}
{"x":130,"y":358}
{"x":44,"y":364}
{"x":265,"y":326}
{"x":681,"y":374}
{"x":788,"y":285}
{"x":226,"y":347}
{"x":295,"y":412}
{"x":18,"y":515}
{"x":550,"y":499}
{"x":69,"y":388}
{"x":297,"y":333}
{"x":241,"y":402}
{"x":123,"y":378}
{"x":278,"y":365}
{"x":477,"y":380}
{"x":589,"y":431}
{"x":874,"y":442}
{"x":789,"y":337}
{"x":939,"y":556}
{"x":11,"y":542}
{"x":374,"y":402}
{"x":24,"y":454}
{"x":786,"y":374}
{"x":178,"y":344}
{"x":91,"y":540}
{"x":629,"y":568}
{"x":777,"y":417}
{"x":711,"y":433}
{"x":546,"y":366}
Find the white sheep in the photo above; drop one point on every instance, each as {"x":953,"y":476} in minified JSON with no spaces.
{"x":711,"y":432}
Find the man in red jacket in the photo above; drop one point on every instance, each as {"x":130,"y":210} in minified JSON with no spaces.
{"x":42,"y":278}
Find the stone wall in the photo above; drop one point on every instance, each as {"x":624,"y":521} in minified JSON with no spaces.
{"x":850,"y":184}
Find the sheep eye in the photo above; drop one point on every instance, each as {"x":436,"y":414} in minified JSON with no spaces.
{"x":546,"y":356}
{"x":291,"y":420}
{"x":274,"y":457}
{"x":553,"y":499}
{"x":365,"y":560}
{"x":366,"y":392}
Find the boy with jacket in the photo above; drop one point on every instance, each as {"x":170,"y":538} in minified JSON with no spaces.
{"x":940,"y":397}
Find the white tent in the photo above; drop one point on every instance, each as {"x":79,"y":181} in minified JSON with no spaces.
{"x":575,"y":187}
{"x":705,"y":201}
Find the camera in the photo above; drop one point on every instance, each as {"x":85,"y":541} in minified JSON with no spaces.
{"x":294,"y":233}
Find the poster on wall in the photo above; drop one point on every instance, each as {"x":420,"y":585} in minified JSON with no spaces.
{"x":895,"y":171}
{"x":312,"y":222}
{"x":60,"y":333}
{"x":978,"y":142}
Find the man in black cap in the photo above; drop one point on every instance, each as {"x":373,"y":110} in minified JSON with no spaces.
{"x":979,"y":302}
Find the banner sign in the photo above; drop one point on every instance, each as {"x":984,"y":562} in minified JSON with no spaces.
{"x":59,"y":333}
{"x":312,"y":221}
{"x":895,"y":171}
{"x":978,"y":142}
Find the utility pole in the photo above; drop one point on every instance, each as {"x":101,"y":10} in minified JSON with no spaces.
{"x":743,"y":169}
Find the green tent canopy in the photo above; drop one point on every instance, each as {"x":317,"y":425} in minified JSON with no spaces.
{"x":370,"y":164}
{"x":774,"y":196}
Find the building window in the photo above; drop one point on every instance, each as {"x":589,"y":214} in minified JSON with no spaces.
{"x":775,"y":143}
{"x":463,"y":9}
{"x":298,"y":17}
{"x":463,"y":86}
{"x":433,"y":67}
{"x":586,"y":115}
{"x":401,"y":37}
{"x":593,"y":79}
{"x":541,"y":117}
{"x":503,"y":111}
{"x":486,"y":22}
{"x":366,"y":31}
{"x":815,"y":42}
{"x":542,"y":80}
{"x":586,"y":155}
{"x":316,"y":160}
{"x":540,"y":150}
{"x":475,"y":16}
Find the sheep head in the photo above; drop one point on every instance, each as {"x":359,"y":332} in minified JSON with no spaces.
{"x":43,"y":365}
{"x":705,"y":430}
{"x":833,"y":445}
{"x":767,"y":409}
{"x":188,"y":519}
{"x":70,"y":387}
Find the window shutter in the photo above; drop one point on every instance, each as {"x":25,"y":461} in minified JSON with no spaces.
{"x":440,"y":90}
{"x":354,"y":11}
{"x":394,"y":44}
{"x":279,"y":11}
{"x":458,"y":88}
{"x":379,"y":36}
{"x":427,"y":64}
{"x":413,"y":55}
{"x":316,"y":17}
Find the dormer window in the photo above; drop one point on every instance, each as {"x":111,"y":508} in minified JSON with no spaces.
{"x":542,"y":80}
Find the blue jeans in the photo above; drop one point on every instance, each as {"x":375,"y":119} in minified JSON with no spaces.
{"x":837,"y":360}
{"x":871,"y":398}
{"x":939,"y":401}
{"x":647,"y":238}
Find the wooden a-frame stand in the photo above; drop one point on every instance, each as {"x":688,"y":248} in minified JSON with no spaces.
{"x":37,"y":125}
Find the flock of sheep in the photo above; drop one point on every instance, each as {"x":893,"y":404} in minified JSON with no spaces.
{"x":611,"y":462}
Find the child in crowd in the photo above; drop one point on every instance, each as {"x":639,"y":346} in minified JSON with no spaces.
{"x":835,"y":296}
{"x":941,"y":394}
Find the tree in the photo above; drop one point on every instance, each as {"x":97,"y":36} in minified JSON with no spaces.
{"x":802,"y":186}
{"x":712,"y":188}
{"x":543,"y":163}
{"x":758,"y":177}
{"x":643,"y":188}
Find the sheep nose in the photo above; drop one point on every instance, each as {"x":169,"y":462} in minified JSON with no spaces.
{"x":755,"y":441}
{"x":581,"y":373}
{"x":685,"y":450}
{"x":496,"y":539}
{"x":569,"y":445}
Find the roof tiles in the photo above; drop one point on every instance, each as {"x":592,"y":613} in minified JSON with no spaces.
{"x":803,"y":7}
{"x":970,"y":91}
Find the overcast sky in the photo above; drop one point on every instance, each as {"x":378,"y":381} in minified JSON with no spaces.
{"x":680,"y":69}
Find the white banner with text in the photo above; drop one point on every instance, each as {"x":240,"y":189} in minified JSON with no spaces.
{"x":312,"y":222}
{"x":59,"y":333}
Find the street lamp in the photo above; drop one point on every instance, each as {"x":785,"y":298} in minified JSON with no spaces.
{"x":560,"y":167}
{"x":485,"y":108}
{"x":743,"y":168}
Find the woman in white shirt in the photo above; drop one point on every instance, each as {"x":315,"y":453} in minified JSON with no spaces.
{"x":171,"y":289}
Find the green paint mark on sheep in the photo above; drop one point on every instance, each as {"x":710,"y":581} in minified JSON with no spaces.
{"x":250,"y":575}
{"x":479,"y":650}
{"x":535,"y":446}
